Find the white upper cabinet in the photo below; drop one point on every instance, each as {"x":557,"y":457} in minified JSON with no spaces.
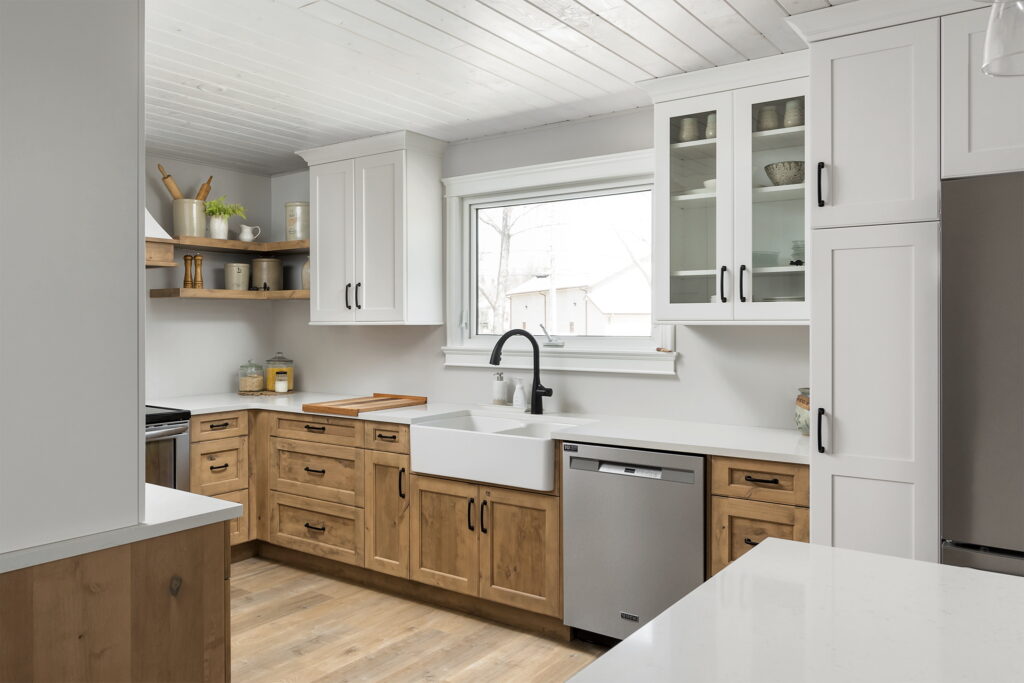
{"x":981,"y":115}
{"x":874,"y":119}
{"x":375,"y":231}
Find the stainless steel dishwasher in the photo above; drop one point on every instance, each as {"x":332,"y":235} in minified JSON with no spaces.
{"x":633,"y":534}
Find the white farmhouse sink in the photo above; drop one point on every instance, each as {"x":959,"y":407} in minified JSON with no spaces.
{"x":505,"y":450}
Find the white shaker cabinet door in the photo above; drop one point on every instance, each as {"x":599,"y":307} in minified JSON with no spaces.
{"x":332,"y":262}
{"x":379,"y":236}
{"x":874,"y":120}
{"x":981,"y":115}
{"x":875,"y":389}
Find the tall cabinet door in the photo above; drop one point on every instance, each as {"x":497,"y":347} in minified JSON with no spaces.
{"x":875,"y":389}
{"x":875,"y":127}
{"x":693,"y":209}
{"x":444,"y":546}
{"x":387,"y":499}
{"x":332,"y":260}
{"x":379,"y":235}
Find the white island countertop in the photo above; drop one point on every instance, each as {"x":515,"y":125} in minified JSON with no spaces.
{"x":796,"y":612}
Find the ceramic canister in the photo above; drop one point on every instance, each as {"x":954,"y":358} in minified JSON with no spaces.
{"x":267,"y":273}
{"x":296,"y":221}
{"x":689,"y":129}
{"x":189,"y":218}
{"x":236,"y":276}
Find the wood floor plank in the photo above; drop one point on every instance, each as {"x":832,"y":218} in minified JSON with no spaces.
{"x":289,"y":624}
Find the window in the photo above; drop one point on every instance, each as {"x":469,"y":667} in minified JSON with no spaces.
{"x":576,"y":266}
{"x":564,"y":245}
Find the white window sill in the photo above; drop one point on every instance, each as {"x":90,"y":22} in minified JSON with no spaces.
{"x":624,"y":361}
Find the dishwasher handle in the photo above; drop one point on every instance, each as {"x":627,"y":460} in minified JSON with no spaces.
{"x":622,"y":469}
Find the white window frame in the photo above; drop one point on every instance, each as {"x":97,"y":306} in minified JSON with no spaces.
{"x":628,"y":171}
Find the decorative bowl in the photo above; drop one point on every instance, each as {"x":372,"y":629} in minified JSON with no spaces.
{"x":785,"y":172}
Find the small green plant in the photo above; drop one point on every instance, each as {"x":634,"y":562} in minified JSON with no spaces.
{"x":219,"y":207}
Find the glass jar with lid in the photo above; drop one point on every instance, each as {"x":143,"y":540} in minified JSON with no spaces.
{"x":279,"y":363}
{"x":250,"y":377}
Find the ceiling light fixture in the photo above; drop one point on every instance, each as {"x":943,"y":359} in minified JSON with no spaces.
{"x":1004,"y":39}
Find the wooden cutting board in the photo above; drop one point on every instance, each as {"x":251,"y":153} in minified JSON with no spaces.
{"x":351,"y":407}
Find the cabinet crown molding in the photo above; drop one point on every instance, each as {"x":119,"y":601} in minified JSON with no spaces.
{"x":782,"y":67}
{"x":868,"y":15}
{"x":377,"y":144}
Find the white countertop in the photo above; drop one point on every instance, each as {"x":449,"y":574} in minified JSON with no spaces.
{"x":167,"y":511}
{"x":759,"y":443}
{"x":794,"y":612}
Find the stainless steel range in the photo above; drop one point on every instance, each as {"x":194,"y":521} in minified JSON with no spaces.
{"x":167,"y":447}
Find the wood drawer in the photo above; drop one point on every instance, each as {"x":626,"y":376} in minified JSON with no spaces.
{"x":238,"y":528}
{"x":317,"y":470}
{"x":336,"y":431}
{"x":219,"y":466}
{"x":219,"y":425}
{"x":769,"y":482}
{"x":739,"y":525}
{"x":391,"y":438}
{"x":313,"y":526}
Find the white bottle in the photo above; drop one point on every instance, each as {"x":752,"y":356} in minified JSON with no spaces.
{"x":519,"y":396}
{"x":499,"y":390}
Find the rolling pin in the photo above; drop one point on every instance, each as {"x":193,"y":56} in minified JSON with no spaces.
{"x":204,"y":190}
{"x":172,"y":186}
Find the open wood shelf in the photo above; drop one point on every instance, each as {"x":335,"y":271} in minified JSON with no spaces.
{"x":210,"y":244}
{"x":237,"y":294}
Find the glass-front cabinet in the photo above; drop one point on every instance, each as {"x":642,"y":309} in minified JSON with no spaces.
{"x":730,"y":206}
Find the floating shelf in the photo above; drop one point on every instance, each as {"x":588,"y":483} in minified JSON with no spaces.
{"x":778,"y":270}
{"x":780,"y":138}
{"x":778,"y":193}
{"x":694,"y":273}
{"x":238,"y":246}
{"x":237,"y":294}
{"x":686,"y":201}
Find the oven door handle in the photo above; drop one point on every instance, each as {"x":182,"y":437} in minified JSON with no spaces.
{"x":163,"y":433}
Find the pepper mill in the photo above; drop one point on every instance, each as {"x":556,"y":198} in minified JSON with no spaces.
{"x":197,"y":281}
{"x":187,"y":284}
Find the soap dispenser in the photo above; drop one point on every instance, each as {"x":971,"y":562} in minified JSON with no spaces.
{"x":499,"y":390}
{"x":519,"y":395}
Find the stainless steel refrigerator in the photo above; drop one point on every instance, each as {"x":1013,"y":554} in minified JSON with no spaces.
{"x":983,"y":373}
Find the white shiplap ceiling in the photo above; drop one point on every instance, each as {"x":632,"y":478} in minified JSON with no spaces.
{"x":245,"y":83}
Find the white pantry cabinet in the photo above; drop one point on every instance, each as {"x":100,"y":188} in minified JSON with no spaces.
{"x":875,"y":389}
{"x":375,"y":231}
{"x":981,"y":115}
{"x":874,"y":119}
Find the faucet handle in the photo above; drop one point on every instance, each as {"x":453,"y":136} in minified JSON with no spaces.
{"x":544,"y":391}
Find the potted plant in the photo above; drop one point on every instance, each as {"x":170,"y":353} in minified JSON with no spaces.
{"x":219,"y":212}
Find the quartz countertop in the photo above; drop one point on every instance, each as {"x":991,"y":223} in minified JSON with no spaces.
{"x":167,"y":511}
{"x":795,"y":612}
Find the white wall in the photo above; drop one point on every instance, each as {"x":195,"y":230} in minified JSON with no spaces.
{"x":70,"y":211}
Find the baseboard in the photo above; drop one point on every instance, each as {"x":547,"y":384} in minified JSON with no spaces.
{"x":549,"y":627}
{"x":243,"y":551}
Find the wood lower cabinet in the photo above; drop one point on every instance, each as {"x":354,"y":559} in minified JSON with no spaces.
{"x":444,"y":543}
{"x":329,"y":530}
{"x":317,"y":470}
{"x":219,"y":466}
{"x":219,"y":425}
{"x":739,"y":525}
{"x":387,"y":496}
{"x":238,"y":528}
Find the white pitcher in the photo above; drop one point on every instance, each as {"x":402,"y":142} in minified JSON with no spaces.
{"x":248,"y":233}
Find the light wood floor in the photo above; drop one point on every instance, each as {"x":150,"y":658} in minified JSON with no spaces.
{"x":288,"y":624}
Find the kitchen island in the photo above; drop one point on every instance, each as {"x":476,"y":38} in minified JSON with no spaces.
{"x":797,"y":612}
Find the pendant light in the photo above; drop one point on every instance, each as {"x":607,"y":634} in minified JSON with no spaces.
{"x":1004,"y":39}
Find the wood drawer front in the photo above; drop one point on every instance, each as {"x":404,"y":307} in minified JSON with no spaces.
{"x":770,"y":482}
{"x":238,"y":528}
{"x":391,"y":438}
{"x":739,"y":525}
{"x":315,"y":470}
{"x":219,"y":466}
{"x":338,"y":432}
{"x":313,"y":526}
{"x":219,"y":426}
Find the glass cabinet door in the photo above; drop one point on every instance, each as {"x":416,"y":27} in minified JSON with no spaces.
{"x":693,"y":237}
{"x":771,"y":207}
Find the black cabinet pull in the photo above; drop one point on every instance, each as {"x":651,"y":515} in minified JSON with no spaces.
{"x":821,"y":167}
{"x":483,"y":510}
{"x":821,"y":444}
{"x":401,"y":481}
{"x":721,"y":286}
{"x":749,"y":542}
{"x":312,"y":471}
{"x":348,"y":304}
{"x":755,"y":480}
{"x":743,"y":297}
{"x":315,"y":528}
{"x":469,"y":514}
{"x":214,"y":468}
{"x":220,"y":425}
{"x":358,"y":286}
{"x":314,"y":428}
{"x":385,"y":437}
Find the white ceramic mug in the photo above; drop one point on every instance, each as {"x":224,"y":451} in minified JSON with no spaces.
{"x":248,"y":233}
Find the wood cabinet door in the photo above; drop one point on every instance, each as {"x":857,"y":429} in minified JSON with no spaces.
{"x":443,"y":539}
{"x":219,"y":466}
{"x":387,"y":499}
{"x":874,"y":122}
{"x":317,"y":470}
{"x":875,"y":389}
{"x":238,"y":528}
{"x":379,"y":293}
{"x":739,"y":525}
{"x":981,"y":131}
{"x":520,"y":550}
{"x":332,"y":242}
{"x":317,"y":527}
